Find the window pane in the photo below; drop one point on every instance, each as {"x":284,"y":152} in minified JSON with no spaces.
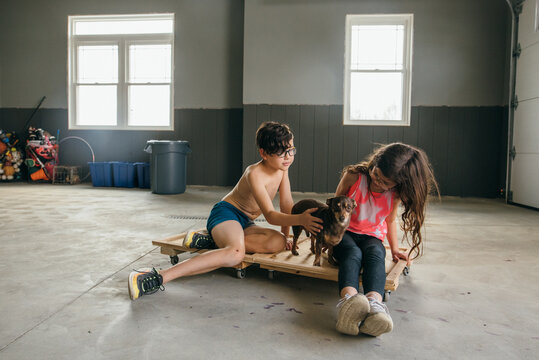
{"x":150,"y":63}
{"x":97,"y":64}
{"x":377,"y":47}
{"x":376,"y":96}
{"x":96,"y":105}
{"x":149,"y":105}
{"x":139,"y":26}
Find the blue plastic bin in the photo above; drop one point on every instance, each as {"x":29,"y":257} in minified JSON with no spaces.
{"x":123,"y":174}
{"x":101,"y":173}
{"x":143,"y":174}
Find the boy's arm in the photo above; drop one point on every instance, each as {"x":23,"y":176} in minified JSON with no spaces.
{"x":285,"y":200}
{"x":392,"y":235}
{"x":262,"y":198}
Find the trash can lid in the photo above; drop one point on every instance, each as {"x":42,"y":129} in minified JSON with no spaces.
{"x":166,"y":141}
{"x":181,"y":146}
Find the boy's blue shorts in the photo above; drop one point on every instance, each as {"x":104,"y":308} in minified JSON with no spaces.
{"x":224,"y":211}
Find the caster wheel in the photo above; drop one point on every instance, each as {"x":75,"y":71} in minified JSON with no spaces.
{"x":271,"y":274}
{"x":406,"y":271}
{"x":387,"y":295}
{"x":174,"y":259}
{"x":240,"y":273}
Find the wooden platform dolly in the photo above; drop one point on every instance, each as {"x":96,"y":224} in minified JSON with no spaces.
{"x":284,"y":261}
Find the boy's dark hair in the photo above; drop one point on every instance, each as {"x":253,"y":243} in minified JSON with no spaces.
{"x":273,"y":138}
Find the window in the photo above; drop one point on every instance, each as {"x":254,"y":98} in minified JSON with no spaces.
{"x":120,"y":72}
{"x":536,"y":15}
{"x":378,"y":69}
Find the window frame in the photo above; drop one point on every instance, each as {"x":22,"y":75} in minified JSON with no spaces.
{"x":381,"y":19}
{"x":123,"y":41}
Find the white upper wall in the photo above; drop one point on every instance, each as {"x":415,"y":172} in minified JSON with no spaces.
{"x":294,"y":50}
{"x":208,"y":49}
{"x":291,"y":52}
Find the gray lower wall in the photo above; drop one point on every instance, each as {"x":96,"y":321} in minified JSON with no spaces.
{"x":466,"y":145}
{"x":215,"y":137}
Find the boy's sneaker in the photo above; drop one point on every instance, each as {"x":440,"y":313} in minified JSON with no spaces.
{"x":200,"y":239}
{"x":352,"y":311}
{"x":144,"y":282}
{"x":378,"y":321}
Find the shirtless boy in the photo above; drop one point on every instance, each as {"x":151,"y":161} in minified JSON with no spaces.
{"x":230,"y":223}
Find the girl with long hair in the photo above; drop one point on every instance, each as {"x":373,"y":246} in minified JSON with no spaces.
{"x":392,"y":175}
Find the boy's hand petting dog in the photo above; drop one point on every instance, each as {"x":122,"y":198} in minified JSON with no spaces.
{"x":312,"y":223}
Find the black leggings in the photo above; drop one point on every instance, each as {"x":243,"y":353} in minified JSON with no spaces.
{"x":356,"y":251}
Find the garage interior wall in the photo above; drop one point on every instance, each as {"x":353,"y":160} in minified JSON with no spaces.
{"x":238,"y":63}
{"x":293,"y":72}
{"x":208,"y":81}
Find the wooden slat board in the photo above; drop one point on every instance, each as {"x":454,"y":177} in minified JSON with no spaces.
{"x":173,"y":245}
{"x":284,"y":261}
{"x":303,"y":264}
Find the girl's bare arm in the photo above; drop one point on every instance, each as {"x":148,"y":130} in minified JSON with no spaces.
{"x":392,"y":235}
{"x":346,"y":183}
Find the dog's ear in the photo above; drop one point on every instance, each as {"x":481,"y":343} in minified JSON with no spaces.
{"x":328,"y":201}
{"x":354,"y":204}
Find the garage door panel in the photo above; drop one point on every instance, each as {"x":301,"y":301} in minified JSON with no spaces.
{"x":527,"y":82}
{"x":524,"y":182}
{"x":526,"y":127}
{"x":525,"y":179}
{"x":526,"y":29}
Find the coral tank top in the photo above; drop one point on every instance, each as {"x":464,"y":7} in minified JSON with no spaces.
{"x":372,"y":209}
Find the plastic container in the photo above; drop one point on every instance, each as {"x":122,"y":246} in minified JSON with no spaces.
{"x":143,"y":174}
{"x":168,"y":165}
{"x":101,"y":173}
{"x":123,"y":174}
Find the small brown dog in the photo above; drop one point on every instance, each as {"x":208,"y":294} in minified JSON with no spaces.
{"x":336,"y":215}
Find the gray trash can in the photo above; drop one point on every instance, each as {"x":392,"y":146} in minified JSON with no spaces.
{"x":168,"y":165}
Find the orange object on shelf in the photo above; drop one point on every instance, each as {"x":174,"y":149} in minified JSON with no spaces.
{"x":39,"y":175}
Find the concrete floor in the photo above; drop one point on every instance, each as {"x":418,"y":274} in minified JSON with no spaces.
{"x":66,"y":252}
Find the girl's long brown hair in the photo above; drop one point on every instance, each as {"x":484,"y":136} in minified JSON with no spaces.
{"x":410,"y":169}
